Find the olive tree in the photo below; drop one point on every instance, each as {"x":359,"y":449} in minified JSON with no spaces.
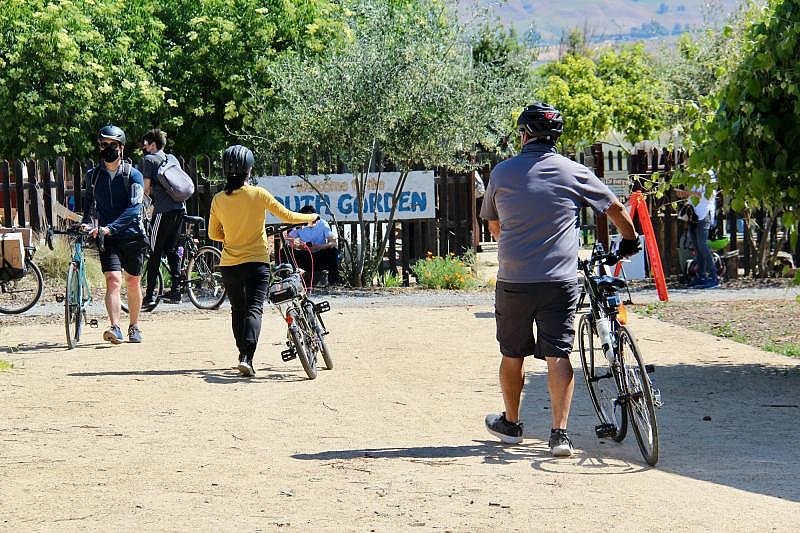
{"x":402,"y":85}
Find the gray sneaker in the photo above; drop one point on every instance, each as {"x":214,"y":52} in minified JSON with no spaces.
{"x":113,"y":335}
{"x":507,"y":432}
{"x":560,"y":445}
{"x":134,"y":333}
{"x":245,"y":366}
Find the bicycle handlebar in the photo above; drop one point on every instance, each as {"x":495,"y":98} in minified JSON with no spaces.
{"x":280,"y":228}
{"x":75,"y":230}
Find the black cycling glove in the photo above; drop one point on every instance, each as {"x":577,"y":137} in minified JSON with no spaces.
{"x":628,"y":247}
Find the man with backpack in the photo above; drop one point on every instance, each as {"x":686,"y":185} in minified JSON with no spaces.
{"x":115,"y":191}
{"x":168,"y":211}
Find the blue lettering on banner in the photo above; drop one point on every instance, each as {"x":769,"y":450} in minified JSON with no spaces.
{"x":345,"y":204}
{"x":403,"y":203}
{"x":419,"y":200}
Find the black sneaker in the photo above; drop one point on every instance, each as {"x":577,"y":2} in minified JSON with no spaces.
{"x":148,"y":302}
{"x":560,"y":445}
{"x":172,"y":297}
{"x":508,"y":432}
{"x":245,"y":366}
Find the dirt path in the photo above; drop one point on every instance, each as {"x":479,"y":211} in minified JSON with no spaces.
{"x":166,"y":436}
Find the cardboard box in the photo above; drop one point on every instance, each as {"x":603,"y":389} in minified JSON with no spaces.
{"x":13,"y":253}
{"x":27,"y":234}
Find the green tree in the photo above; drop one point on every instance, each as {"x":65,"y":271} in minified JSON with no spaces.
{"x":752,"y":140}
{"x":67,"y":68}
{"x":402,"y":85}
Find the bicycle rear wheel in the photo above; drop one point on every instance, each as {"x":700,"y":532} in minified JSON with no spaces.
{"x":204,"y":283}
{"x":19,"y":295}
{"x":73,"y":315}
{"x":303,"y":344}
{"x":599,"y":376}
{"x":159,"y":291}
{"x":319,"y":335}
{"x":641,"y":408}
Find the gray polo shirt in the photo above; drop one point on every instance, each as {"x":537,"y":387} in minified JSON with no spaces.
{"x":537,"y":196}
{"x":162,"y":202}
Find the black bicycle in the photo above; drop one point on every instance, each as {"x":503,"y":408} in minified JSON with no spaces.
{"x":616,"y":375}
{"x":306,"y":332}
{"x":200,"y":278}
{"x":21,"y":289}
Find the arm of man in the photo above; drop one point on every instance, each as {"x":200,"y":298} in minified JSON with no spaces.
{"x":494,"y":229}
{"x":134,"y":208}
{"x":215,"y":230}
{"x":619,"y":216}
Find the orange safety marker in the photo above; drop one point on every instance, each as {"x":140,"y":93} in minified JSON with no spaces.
{"x":638,"y":207}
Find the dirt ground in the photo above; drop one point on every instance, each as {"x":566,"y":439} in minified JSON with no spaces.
{"x":166,"y":436}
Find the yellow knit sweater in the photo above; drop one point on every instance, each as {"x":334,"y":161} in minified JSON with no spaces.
{"x":237,"y":220}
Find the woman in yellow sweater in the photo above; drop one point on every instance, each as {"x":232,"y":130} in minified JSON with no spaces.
{"x":238,"y":216}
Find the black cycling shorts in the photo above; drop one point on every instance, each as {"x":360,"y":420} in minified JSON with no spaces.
{"x":123,"y":255}
{"x":549,"y":305}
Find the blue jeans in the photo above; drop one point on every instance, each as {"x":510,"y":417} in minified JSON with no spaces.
{"x":698,"y":233}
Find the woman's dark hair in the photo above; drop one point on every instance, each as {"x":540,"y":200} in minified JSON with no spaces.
{"x":237,"y":162}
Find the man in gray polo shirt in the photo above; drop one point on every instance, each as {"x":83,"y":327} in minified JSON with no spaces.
{"x":532,"y":205}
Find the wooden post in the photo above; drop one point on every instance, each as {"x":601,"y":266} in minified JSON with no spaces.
{"x":441,"y":196}
{"x":601,"y":220}
{"x":47,"y":191}
{"x":19,"y":170}
{"x":60,"y":177}
{"x":5,"y":186}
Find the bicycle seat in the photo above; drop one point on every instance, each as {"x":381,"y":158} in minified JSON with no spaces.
{"x":200,"y":221}
{"x":282,"y":270}
{"x":608,"y":282}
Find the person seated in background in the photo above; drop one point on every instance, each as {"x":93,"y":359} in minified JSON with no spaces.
{"x":316,"y":245}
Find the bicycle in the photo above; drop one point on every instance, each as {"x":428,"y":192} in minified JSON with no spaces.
{"x":616,"y":376}
{"x":199,"y":277}
{"x":305,"y":335}
{"x":21,"y":290}
{"x":78,"y":294}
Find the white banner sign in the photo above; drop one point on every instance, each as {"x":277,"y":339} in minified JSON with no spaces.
{"x":418,"y":199}
{"x":618,"y":181}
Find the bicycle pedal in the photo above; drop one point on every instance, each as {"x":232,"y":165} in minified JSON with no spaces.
{"x":288,"y":355}
{"x":322,"y":307}
{"x":649,"y":369}
{"x":60,"y":298}
{"x":93,"y":323}
{"x":657,"y":398}
{"x":605,"y":431}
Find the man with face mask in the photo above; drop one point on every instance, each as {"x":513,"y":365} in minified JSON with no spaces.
{"x":115,"y":191}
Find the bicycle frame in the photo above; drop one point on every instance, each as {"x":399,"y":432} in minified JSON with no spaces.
{"x":80,"y":261}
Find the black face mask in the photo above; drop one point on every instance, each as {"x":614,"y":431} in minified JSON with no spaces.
{"x":109,"y":154}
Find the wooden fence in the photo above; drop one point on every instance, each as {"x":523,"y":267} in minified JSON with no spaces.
{"x":31,"y":190}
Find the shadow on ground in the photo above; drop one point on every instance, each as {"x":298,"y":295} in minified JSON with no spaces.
{"x":709,"y":430}
{"x":217,"y":376}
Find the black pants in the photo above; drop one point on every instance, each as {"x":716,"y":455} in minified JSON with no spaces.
{"x":327,"y":259}
{"x":247,"y":286}
{"x":164,"y":240}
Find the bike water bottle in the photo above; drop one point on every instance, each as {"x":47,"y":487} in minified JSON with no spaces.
{"x":604,"y":332}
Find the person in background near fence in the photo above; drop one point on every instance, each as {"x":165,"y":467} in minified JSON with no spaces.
{"x":315,"y":249}
{"x":115,"y":191}
{"x":705,"y":209}
{"x":166,"y":220}
{"x":532,"y":204}
{"x":238,"y":217}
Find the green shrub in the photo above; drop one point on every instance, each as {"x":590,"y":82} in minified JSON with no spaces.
{"x":53,"y":264}
{"x":390,"y":280}
{"x":449,"y":272}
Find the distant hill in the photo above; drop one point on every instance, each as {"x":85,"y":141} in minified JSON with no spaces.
{"x":605,"y":20}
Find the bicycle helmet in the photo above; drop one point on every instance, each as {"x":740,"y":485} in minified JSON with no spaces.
{"x":112,"y":132}
{"x":237,"y":160}
{"x":541,"y":121}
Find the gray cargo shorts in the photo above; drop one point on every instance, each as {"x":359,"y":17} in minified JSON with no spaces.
{"x":550,"y":305}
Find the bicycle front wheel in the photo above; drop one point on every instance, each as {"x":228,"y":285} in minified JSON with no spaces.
{"x":19,"y":295}
{"x":73,"y":315}
{"x":303,"y":343}
{"x":641,"y":407}
{"x":600,"y":381}
{"x":204,"y":286}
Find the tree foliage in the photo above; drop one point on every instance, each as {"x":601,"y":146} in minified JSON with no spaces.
{"x":753,"y":138}
{"x":68,"y":67}
{"x":402,"y":85}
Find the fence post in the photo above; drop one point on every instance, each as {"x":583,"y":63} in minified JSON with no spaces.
{"x":441,"y":195}
{"x":47,"y":191}
{"x":5,"y":182}
{"x":600,"y":219}
{"x":20,"y":170}
{"x":60,"y":177}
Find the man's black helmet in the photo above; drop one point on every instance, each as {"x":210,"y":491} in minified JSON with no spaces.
{"x":112,"y":132}
{"x":237,"y":160}
{"x":541,"y":120}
